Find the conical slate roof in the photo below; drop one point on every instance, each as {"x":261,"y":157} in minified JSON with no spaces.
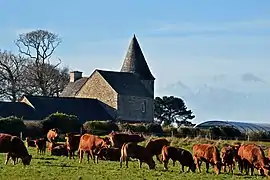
{"x":134,"y":61}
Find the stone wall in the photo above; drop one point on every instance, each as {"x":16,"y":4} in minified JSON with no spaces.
{"x":130,"y":108}
{"x":97,"y":87}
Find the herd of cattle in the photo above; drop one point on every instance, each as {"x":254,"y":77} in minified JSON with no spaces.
{"x":122,"y":146}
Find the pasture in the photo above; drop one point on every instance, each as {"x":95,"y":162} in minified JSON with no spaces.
{"x":54,"y":167}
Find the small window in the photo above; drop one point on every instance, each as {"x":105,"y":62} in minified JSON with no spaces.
{"x":143,"y":106}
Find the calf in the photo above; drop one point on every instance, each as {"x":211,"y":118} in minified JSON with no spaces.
{"x":111,"y":154}
{"x":53,"y":144}
{"x":72,"y":141}
{"x":40,"y":145}
{"x":132,"y":150}
{"x":178,"y":154}
{"x":52,"y":135}
{"x":209,"y":154}
{"x":227,"y":157}
{"x":60,"y":150}
{"x":90,"y":143}
{"x":118,"y":139}
{"x":252,"y":156}
{"x":15,"y":148}
{"x":30,"y":143}
{"x":155,"y":146}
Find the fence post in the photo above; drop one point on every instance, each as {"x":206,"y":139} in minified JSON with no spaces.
{"x":81,"y":130}
{"x":248,"y":138}
{"x":21,"y":135}
{"x":171,"y":133}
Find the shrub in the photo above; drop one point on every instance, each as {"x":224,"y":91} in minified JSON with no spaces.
{"x":12,"y":125}
{"x":216,"y":132}
{"x":187,"y":132}
{"x":34,"y":129}
{"x":258,"y":135}
{"x":155,"y":129}
{"x":230,"y":132}
{"x":65,"y":123}
{"x":100,"y":127}
{"x":136,"y":127}
{"x":169,"y":131}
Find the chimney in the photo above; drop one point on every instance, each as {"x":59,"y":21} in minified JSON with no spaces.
{"x":75,"y":75}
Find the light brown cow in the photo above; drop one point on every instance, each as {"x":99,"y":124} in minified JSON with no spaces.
{"x":118,"y":139}
{"x":40,"y":145}
{"x":178,"y":154}
{"x":72,"y":141}
{"x":252,"y":156}
{"x":90,"y":143}
{"x":155,"y":146}
{"x":52,"y":135}
{"x":209,"y":154}
{"x":227,"y":157}
{"x":15,"y":148}
{"x":133,"y":150}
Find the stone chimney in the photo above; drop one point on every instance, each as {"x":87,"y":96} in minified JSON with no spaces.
{"x":75,"y":75}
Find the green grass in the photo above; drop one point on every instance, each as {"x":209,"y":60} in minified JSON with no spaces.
{"x":53,"y":167}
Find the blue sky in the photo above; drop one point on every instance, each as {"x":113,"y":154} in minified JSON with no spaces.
{"x":195,"y":42}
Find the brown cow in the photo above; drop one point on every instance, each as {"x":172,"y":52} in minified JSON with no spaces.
{"x":227,"y":157}
{"x":30,"y":143}
{"x":15,"y":148}
{"x":60,"y":150}
{"x":118,"y":139}
{"x":52,"y":135}
{"x":111,"y":154}
{"x":72,"y":141}
{"x":133,"y":150}
{"x":90,"y":143}
{"x":155,"y":146}
{"x":184,"y":157}
{"x":252,"y":156}
{"x":209,"y":154}
{"x":40,"y":145}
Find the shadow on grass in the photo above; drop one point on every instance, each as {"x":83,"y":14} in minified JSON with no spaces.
{"x":45,"y":158}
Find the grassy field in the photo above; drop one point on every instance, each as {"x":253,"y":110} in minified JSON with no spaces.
{"x":53,"y":167}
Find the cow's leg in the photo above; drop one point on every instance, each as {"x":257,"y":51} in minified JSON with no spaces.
{"x":7,"y":158}
{"x":88,"y":154}
{"x":207,"y":166}
{"x":127,"y":159}
{"x":165,"y":163}
{"x":183,"y":168}
{"x":121,"y":161}
{"x":173,"y":163}
{"x":251,"y":169}
{"x":224,"y":168}
{"x":140,"y":164}
{"x":159,"y":158}
{"x":197,"y":161}
{"x":81,"y":156}
{"x":92,"y":155}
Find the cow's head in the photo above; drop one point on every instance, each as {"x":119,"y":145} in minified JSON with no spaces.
{"x":106,"y":142}
{"x":26,"y":159}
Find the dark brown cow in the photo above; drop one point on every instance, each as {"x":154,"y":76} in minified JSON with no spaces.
{"x":252,"y":156}
{"x":155,"y":146}
{"x":53,"y":144}
{"x":133,"y":150}
{"x":110,"y":154}
{"x":40,"y":145}
{"x":227,"y":157}
{"x":209,"y":154}
{"x":72,"y":141}
{"x":30,"y":143}
{"x":118,"y":139}
{"x":90,"y":143}
{"x":184,"y":157}
{"x":52,"y":135}
{"x":60,"y":150}
{"x":15,"y":148}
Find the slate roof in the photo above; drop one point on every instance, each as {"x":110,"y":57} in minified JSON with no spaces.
{"x":17,"y":109}
{"x":73,"y":87}
{"x":125,"y":83}
{"x":84,"y":108}
{"x":135,"y":62}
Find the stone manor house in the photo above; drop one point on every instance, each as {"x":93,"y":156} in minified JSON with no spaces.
{"x":125,"y":95}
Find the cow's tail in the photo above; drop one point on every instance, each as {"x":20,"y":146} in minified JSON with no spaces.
{"x":163,"y":154}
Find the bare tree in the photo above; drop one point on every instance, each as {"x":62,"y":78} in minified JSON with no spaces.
{"x":42,"y":76}
{"x":12,"y":69}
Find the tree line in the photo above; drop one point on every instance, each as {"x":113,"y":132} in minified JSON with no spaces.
{"x":30,"y":71}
